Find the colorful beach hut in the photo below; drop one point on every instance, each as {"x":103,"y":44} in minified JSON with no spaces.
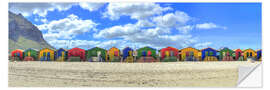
{"x":96,"y":54}
{"x":128,"y":55}
{"x":17,"y":55}
{"x":189,"y":54}
{"x":209,"y":54}
{"x":238,"y":55}
{"x":61,"y":54}
{"x":46,"y":54}
{"x":76,"y":54}
{"x":30,"y":54}
{"x":259,"y":55}
{"x":146,"y":54}
{"x":169,"y":54}
{"x":114,"y":55}
{"x":226,"y":54}
{"x":249,"y":53}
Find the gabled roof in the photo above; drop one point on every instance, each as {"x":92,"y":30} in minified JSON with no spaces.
{"x":62,"y":48}
{"x":45,"y":48}
{"x":189,"y":47}
{"x":248,"y":49}
{"x":208,"y":48}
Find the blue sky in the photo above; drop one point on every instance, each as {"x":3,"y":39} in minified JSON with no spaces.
{"x":158,"y":25}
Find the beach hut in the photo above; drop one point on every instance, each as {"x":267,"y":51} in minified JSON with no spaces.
{"x":146,"y":54}
{"x":169,"y":54}
{"x":17,"y":55}
{"x":259,"y":54}
{"x":209,"y":54}
{"x":30,"y":54}
{"x":238,"y":55}
{"x":114,"y":55}
{"x":61,"y":55}
{"x":226,"y":54}
{"x":128,"y":55}
{"x":46,"y":54}
{"x":76,"y":54}
{"x":189,"y":54}
{"x":96,"y":54}
{"x":249,"y":53}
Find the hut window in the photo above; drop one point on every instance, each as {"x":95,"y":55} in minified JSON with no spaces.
{"x":206,"y":53}
{"x":211,"y":53}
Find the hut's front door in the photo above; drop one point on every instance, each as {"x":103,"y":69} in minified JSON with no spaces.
{"x":190,"y":56}
{"x":44,"y":56}
{"x":48,"y":56}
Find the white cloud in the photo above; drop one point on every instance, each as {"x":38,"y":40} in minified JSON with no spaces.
{"x":40,"y":9}
{"x":202,"y":45}
{"x":209,"y":26}
{"x":67,"y":28}
{"x":185,"y":29}
{"x":118,"y":31}
{"x":91,"y":6}
{"x":44,"y":20}
{"x":169,"y":20}
{"x":134,"y":10}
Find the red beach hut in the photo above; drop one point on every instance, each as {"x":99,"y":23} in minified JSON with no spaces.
{"x":77,"y":52}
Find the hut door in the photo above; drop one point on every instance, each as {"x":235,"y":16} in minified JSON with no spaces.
{"x":99,"y":55}
{"x":187,"y":54}
{"x":115,"y":53}
{"x":28,"y":53}
{"x":247,"y":54}
{"x":167,"y":53}
{"x":250,"y":54}
{"x":144,"y":53}
{"x":149,"y":53}
{"x":228,"y":53}
{"x":48,"y":56}
{"x":44,"y":56}
{"x":171,"y":53}
{"x":62,"y":56}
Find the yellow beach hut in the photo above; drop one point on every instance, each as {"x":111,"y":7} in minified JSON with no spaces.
{"x":114,"y":55}
{"x":46,"y":54}
{"x":189,"y":54}
{"x":249,"y":53}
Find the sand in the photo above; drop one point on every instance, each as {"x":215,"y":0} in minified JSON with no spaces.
{"x":105,"y":74}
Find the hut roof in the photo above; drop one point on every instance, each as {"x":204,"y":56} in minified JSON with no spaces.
{"x":189,"y":47}
{"x":258,"y":50}
{"x":208,"y":48}
{"x":146,"y":47}
{"x":248,"y":49}
{"x":96,"y":48}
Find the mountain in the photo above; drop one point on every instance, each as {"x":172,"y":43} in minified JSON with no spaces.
{"x":23,"y":34}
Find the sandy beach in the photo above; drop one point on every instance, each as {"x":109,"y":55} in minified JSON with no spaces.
{"x":105,"y":74}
